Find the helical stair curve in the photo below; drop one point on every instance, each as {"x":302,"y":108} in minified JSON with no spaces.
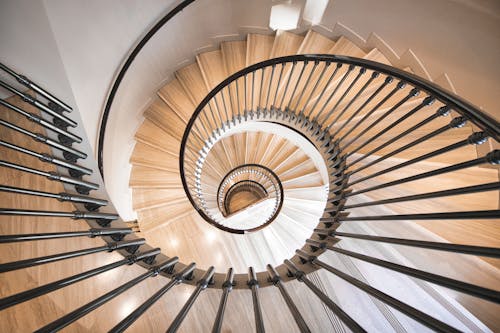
{"x":394,"y":149}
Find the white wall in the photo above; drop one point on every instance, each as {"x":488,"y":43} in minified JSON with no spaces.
{"x":28,"y":47}
{"x":94,"y":38}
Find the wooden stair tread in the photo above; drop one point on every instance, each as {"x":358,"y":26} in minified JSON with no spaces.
{"x":153,"y":217}
{"x":285,"y":43}
{"x":154,"y":136}
{"x":376,"y":55}
{"x":344,"y":46}
{"x":258,"y":48}
{"x":151,"y":157}
{"x":149,"y":198}
{"x":173,"y":94}
{"x":315,"y":43}
{"x":234,"y":55}
{"x":144,"y":177}
{"x":164,"y":117}
{"x":191,"y":79}
{"x":212,"y":68}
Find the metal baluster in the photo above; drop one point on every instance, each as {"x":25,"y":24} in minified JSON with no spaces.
{"x":39,"y":105}
{"x":387,"y":81}
{"x":362,"y":71}
{"x":276,"y":279}
{"x":76,"y":215}
{"x":427,"y":101}
{"x":225,"y":108}
{"x":464,"y":287}
{"x":90,"y":203}
{"x":410,"y":311}
{"x":253,"y":91}
{"x":89,"y":307}
{"x":115,"y":233}
{"x":305,"y":85}
{"x":296,"y":85}
{"x":475,"y":138}
{"x":219,"y":113}
{"x":68,"y":152}
{"x":80,"y":185}
{"x":14,"y":265}
{"x":492,"y":158}
{"x":33,"y":117}
{"x":316,"y":84}
{"x":231,"y":103}
{"x":467,"y":215}
{"x":398,"y":87}
{"x":278,"y":86}
{"x":325,"y":88}
{"x":438,"y":194}
{"x":454,"y":123}
{"x":30,"y":84}
{"x":141,"y":309}
{"x":238,"y":100}
{"x":492,"y":252}
{"x":74,"y":169}
{"x":346,"y":319}
{"x":269,"y":87}
{"x":253,"y":284}
{"x":24,"y":296}
{"x":294,"y":64}
{"x":246,"y":93}
{"x":353,"y":82}
{"x":202,"y":284}
{"x":259,"y":104}
{"x":227,"y":286}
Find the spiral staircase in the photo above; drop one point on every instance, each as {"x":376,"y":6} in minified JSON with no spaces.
{"x":272,"y":156}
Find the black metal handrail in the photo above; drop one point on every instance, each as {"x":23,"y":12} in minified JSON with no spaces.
{"x":121,"y":74}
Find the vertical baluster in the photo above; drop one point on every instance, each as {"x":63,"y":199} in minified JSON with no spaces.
{"x":91,"y":306}
{"x":141,"y":309}
{"x":227,"y":286}
{"x":276,"y":279}
{"x":254,"y":286}
{"x":201,"y":285}
{"x":410,"y":311}
{"x":346,"y":319}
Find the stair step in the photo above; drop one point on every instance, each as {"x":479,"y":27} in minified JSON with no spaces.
{"x":150,"y":198}
{"x":154,"y":217}
{"x":234,"y":55}
{"x":285,"y":43}
{"x":307,"y":193}
{"x":163,"y":116}
{"x":173,"y":94}
{"x":309,"y":180}
{"x":344,"y":46}
{"x":144,"y":177}
{"x":212,"y":68}
{"x":258,"y":48}
{"x":315,"y":43}
{"x":153,"y":158}
{"x":154,"y":136}
{"x":191,"y":79}
{"x":376,"y":55}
